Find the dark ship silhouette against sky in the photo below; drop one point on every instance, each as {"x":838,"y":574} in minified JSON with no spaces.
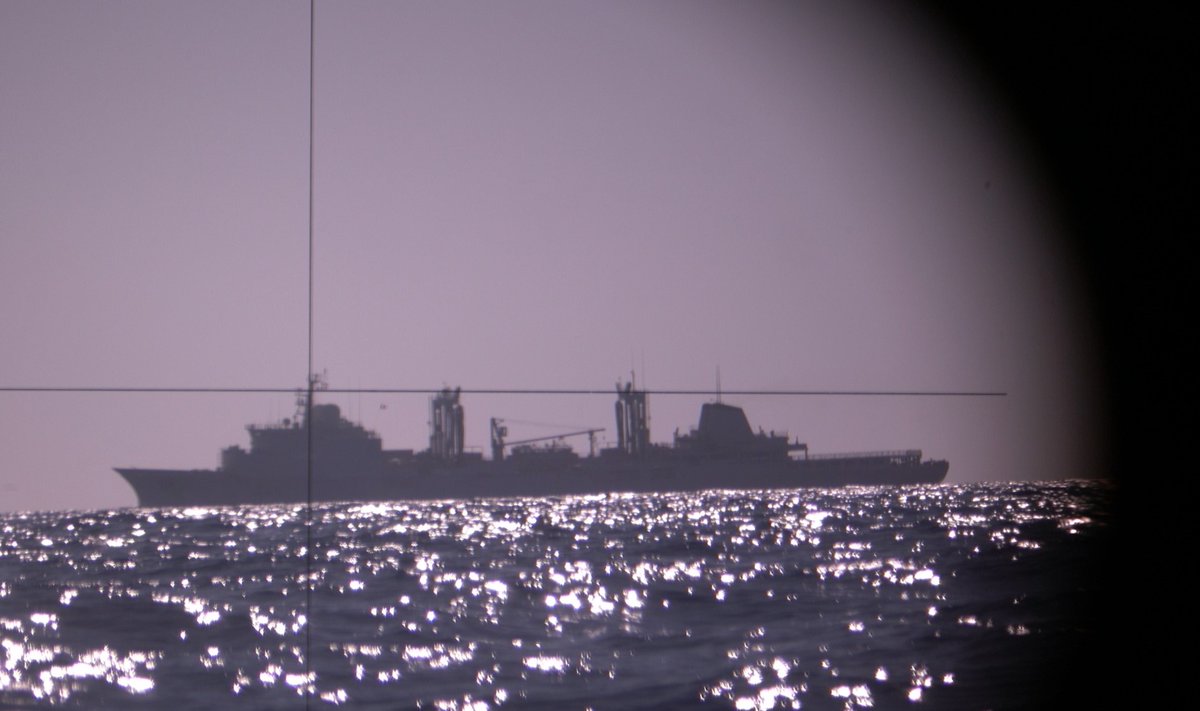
{"x":349,"y":462}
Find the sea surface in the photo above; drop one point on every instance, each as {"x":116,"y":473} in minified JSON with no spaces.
{"x":949,"y":596}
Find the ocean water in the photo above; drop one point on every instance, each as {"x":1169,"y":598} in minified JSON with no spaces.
{"x":949,"y":596}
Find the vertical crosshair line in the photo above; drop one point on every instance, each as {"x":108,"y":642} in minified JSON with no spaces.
{"x":308,"y":376}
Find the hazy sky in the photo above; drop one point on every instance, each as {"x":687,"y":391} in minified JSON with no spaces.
{"x":520,"y":194}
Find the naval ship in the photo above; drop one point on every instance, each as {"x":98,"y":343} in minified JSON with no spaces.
{"x":350,"y":463}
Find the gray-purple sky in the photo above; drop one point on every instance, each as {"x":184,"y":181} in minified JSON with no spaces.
{"x":520,"y":194}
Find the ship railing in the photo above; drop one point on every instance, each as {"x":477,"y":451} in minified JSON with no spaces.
{"x":892,"y":454}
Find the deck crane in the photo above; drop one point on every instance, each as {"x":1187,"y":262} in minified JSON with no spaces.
{"x":500,"y":431}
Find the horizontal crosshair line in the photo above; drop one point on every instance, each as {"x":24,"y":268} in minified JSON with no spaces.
{"x":511,"y":391}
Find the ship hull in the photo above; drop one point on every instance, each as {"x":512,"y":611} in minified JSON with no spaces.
{"x":168,"y":487}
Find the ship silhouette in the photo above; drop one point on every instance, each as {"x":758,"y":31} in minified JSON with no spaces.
{"x":350,"y":463}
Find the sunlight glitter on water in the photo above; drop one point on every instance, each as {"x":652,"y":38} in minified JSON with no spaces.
{"x":758,"y":600}
{"x":60,"y":675}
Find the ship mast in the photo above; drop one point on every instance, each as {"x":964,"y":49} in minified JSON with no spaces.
{"x":633,"y":419}
{"x":316,"y":381}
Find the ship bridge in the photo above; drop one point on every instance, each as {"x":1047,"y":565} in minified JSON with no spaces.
{"x":725,"y":430}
